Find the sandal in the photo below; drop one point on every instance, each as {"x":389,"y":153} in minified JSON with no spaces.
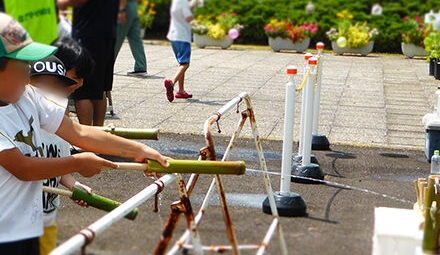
{"x":170,"y":89}
{"x":183,"y":95}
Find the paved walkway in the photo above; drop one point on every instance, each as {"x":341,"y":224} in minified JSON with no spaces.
{"x":377,"y":100}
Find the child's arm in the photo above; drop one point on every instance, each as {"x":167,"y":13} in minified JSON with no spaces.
{"x":33,"y":168}
{"x":91,"y":139}
{"x":69,"y":182}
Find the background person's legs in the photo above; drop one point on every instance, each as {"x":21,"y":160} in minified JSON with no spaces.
{"x":90,"y":100}
{"x":180,"y":77}
{"x":84,"y":111}
{"x":134,"y":38}
{"x":122,"y":32}
{"x":99,"y":109}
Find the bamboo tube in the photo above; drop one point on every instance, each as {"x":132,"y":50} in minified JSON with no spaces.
{"x":187,"y":166}
{"x":421,"y":183}
{"x":431,"y":232}
{"x":133,"y":133}
{"x":416,"y":187}
{"x":93,"y":200}
{"x":424,"y":191}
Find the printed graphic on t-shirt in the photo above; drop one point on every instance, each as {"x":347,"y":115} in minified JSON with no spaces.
{"x":28,"y":139}
{"x":50,"y":202}
{"x":49,"y":199}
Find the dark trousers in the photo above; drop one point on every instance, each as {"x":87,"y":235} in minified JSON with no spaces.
{"x":23,"y":247}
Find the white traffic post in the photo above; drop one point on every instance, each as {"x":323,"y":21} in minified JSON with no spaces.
{"x":288,"y":203}
{"x":308,"y":169}
{"x":308,"y":112}
{"x":316,"y":102}
{"x":319,"y":141}
{"x":289,"y":115}
{"x":307,"y":56}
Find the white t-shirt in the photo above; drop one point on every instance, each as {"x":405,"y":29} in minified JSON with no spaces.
{"x":21,"y":214}
{"x":53,"y":147}
{"x":180,"y":29}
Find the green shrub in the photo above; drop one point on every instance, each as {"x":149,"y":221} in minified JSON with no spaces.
{"x":255,"y":14}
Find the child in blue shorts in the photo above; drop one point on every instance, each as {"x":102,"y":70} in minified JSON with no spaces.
{"x":179,"y":34}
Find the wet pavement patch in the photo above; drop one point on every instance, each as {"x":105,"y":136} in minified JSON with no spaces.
{"x":393,"y":155}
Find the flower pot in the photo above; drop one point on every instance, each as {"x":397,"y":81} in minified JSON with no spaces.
{"x":432,"y":64}
{"x":204,"y":40}
{"x":279,"y":43}
{"x":437,"y":70}
{"x":361,"y":50}
{"x":411,"y":50}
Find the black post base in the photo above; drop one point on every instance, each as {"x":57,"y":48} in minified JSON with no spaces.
{"x":312,"y":171}
{"x":297,"y":159}
{"x":320,"y":143}
{"x":288,"y":205}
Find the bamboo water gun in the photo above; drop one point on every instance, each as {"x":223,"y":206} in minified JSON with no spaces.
{"x":92,"y":199}
{"x":133,"y":133}
{"x":186,"y":167}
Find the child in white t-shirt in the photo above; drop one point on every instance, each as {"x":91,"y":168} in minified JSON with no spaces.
{"x":179,"y":33}
{"x":24,"y":111}
{"x":49,"y":74}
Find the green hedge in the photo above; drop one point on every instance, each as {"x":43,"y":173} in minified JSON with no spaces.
{"x":255,"y":14}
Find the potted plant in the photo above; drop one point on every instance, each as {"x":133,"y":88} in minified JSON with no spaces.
{"x":432,"y":45}
{"x":285,"y":35}
{"x":146,"y":14}
{"x":352,"y":38}
{"x":413,"y":35}
{"x":434,"y":64}
{"x":220,"y":31}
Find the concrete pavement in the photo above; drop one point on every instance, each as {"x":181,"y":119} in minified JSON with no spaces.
{"x":378,"y":100}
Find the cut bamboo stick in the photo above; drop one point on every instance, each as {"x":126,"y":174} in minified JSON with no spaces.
{"x":133,"y":133}
{"x":430,"y":241}
{"x":186,"y":166}
{"x":421,"y":183}
{"x":416,"y":187}
{"x":93,"y":200}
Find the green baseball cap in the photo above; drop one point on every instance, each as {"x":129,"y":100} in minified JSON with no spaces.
{"x":16,"y":43}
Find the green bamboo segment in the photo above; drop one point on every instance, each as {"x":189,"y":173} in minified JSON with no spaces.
{"x":187,"y":167}
{"x":133,"y":133}
{"x":100,"y":202}
{"x":430,"y":243}
{"x":199,"y":167}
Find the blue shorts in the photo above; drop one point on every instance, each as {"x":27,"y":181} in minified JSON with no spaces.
{"x":182,"y":51}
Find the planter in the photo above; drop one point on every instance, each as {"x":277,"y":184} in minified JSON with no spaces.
{"x":204,"y":40}
{"x":411,"y":50}
{"x":432,"y":63}
{"x":362,"y":50}
{"x":279,"y":43}
{"x":437,"y":70}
